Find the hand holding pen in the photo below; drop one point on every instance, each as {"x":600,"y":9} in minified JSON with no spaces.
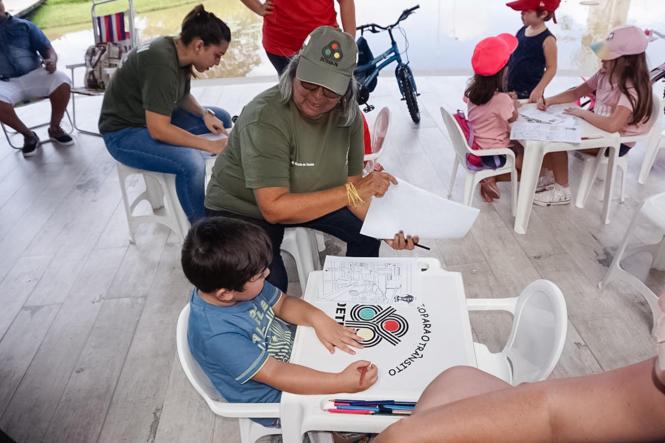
{"x":358,"y":376}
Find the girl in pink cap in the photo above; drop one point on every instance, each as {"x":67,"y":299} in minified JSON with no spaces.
{"x":623,"y":102}
{"x":490,"y":108}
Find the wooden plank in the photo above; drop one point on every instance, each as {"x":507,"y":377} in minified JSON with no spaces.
{"x":17,"y":286}
{"x":19,"y":346}
{"x":138,"y":400}
{"x":185,"y":416}
{"x":82,"y":408}
{"x":29,"y":413}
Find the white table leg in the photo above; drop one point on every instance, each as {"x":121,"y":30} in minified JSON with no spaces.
{"x":609,"y":182}
{"x":531,"y":164}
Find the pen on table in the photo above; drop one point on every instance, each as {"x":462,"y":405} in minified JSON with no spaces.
{"x":363,"y":371}
{"x":418,"y":245}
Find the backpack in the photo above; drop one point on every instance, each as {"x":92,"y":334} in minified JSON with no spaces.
{"x":100,"y":61}
{"x":472,"y":160}
{"x":364,"y":57}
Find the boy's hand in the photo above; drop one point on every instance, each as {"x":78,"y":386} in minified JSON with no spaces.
{"x":333,"y":335}
{"x":358,"y":376}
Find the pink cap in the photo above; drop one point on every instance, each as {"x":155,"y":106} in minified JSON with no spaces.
{"x":624,"y":40}
{"x":491,"y":54}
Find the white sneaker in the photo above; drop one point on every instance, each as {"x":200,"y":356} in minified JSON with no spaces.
{"x":554,"y":196}
{"x":545,"y":181}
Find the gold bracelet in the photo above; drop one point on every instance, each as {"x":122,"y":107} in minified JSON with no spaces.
{"x":352,"y":195}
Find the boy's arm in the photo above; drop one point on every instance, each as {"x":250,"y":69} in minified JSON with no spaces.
{"x":331,"y":334}
{"x":550,"y":50}
{"x":303,"y":380}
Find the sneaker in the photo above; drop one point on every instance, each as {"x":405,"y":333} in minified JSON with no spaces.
{"x":545,"y":181}
{"x":30,"y":145}
{"x":61,"y":137}
{"x":554,"y":196}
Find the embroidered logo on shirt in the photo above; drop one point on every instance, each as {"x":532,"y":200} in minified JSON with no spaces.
{"x":297,"y":163}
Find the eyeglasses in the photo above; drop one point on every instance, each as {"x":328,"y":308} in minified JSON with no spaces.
{"x":327,"y":93}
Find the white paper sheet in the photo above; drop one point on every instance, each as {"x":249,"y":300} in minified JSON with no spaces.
{"x":415,"y":211}
{"x":383,"y":280}
{"x":211,"y":136}
{"x":551,"y":125}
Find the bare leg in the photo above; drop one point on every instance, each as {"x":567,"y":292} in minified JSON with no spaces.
{"x":59,"y":100}
{"x":558,"y":163}
{"x":8,"y":116}
{"x":458,"y":383}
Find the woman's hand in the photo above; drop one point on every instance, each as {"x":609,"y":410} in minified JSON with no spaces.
{"x":214,"y":146}
{"x":541,"y":104}
{"x":358,"y":376}
{"x":374,"y":184}
{"x":333,"y":335}
{"x":213,"y":124}
{"x":537,"y":94}
{"x":400,"y":241}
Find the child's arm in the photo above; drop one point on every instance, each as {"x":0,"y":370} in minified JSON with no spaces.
{"x":612,"y":123}
{"x":298,"y":379}
{"x":549,"y":48}
{"x":331,"y":334}
{"x":567,"y":96}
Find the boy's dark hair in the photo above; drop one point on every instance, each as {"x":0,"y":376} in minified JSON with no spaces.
{"x":224,"y":253}
{"x":204,"y":25}
{"x":482,"y":88}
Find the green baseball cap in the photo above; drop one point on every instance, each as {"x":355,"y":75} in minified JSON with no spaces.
{"x":328,"y":58}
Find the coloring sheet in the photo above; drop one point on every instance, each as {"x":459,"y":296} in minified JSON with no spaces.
{"x":551,"y":125}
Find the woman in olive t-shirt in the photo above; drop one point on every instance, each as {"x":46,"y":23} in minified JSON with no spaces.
{"x":295,"y":156}
{"x":149,"y":118}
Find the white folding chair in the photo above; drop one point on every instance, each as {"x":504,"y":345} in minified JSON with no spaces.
{"x":378,"y":136}
{"x":537,"y":337}
{"x":472,"y":178}
{"x":250,"y":431}
{"x":592,"y":165}
{"x":10,"y":133}
{"x":653,"y":210}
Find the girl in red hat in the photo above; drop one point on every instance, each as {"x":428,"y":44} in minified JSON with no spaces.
{"x":533,"y":64}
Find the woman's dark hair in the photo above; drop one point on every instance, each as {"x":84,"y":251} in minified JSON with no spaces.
{"x":204,"y":25}
{"x":224,"y":253}
{"x":631,"y":71}
{"x":482,"y":88}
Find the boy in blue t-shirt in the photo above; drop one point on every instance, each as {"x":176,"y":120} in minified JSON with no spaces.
{"x":241,"y":327}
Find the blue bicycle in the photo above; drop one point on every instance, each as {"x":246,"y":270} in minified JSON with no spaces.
{"x":369,"y":67}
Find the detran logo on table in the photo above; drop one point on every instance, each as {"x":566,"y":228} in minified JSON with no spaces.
{"x":376,"y":323}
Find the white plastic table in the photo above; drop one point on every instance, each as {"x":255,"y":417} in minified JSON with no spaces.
{"x":437,"y":337}
{"x":535,"y":150}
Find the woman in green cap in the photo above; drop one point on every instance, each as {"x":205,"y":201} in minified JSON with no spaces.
{"x":295,"y":156}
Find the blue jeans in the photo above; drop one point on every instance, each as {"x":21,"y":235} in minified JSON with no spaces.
{"x":342,"y":223}
{"x":135,"y":148}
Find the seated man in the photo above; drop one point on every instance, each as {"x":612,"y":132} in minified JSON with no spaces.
{"x":23,"y":50}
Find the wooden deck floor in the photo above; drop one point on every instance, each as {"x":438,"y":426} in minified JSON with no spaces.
{"x":87,"y":324}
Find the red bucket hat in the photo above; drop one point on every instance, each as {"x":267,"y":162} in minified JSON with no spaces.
{"x":536,"y":5}
{"x":491,"y":54}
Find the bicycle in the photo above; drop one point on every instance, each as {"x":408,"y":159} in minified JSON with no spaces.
{"x":368,"y":68}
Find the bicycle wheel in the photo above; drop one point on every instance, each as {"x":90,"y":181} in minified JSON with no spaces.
{"x":407,"y":86}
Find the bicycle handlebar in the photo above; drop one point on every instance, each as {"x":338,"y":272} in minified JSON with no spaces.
{"x":374,"y":28}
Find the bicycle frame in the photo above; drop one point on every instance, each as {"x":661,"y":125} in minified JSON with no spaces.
{"x":381,"y":61}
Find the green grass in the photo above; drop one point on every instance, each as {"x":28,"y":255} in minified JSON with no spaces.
{"x":61,"y":13}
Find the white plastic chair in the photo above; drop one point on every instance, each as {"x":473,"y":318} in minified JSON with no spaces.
{"x":160,"y":192}
{"x":378,"y":136}
{"x":650,"y":155}
{"x":250,"y":431}
{"x":592,"y":164}
{"x":472,"y":178}
{"x":653,"y":209}
{"x":537,"y":337}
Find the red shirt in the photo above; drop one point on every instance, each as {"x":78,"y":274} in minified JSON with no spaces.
{"x":291,"y":21}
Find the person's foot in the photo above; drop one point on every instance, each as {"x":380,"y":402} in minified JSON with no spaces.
{"x":61,"y":137}
{"x":489,"y":191}
{"x":30,"y":145}
{"x":545,"y":181}
{"x":556,"y":195}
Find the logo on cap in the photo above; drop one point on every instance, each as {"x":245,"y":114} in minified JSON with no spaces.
{"x":332,"y":53}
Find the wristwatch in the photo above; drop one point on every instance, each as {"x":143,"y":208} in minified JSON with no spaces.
{"x":209,"y":111}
